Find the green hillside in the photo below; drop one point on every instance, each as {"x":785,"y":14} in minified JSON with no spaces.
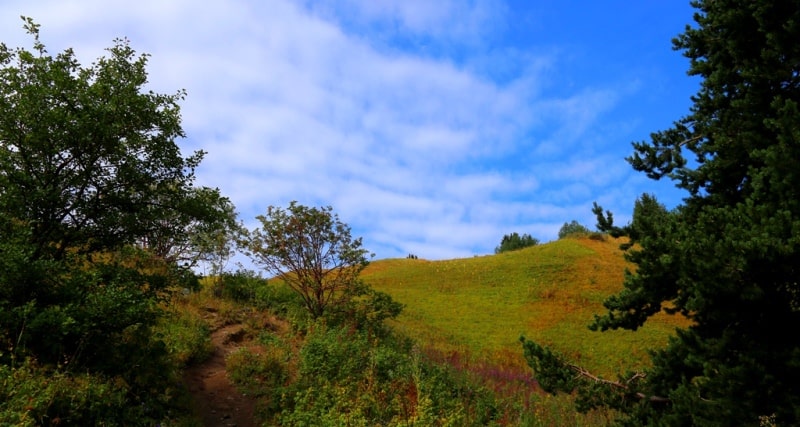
{"x":478,"y":307}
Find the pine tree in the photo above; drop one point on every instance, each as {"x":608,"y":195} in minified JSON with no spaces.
{"x":728,"y":257}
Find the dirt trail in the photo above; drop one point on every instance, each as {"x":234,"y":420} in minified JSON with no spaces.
{"x":218,"y":402}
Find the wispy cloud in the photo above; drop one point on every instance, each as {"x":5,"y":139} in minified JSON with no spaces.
{"x":321,"y":102}
{"x":423,"y":25}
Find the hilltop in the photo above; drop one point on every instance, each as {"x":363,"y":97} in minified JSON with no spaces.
{"x":477,"y":308}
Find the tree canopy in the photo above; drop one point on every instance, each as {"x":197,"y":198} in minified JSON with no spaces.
{"x":572,"y":228}
{"x":513,"y":242}
{"x":727,"y":257}
{"x":91,"y":177}
{"x":311,"y":250}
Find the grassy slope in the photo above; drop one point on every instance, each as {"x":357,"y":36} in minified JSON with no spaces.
{"x":549,"y":293}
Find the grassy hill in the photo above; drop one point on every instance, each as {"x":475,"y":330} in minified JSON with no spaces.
{"x":477,"y":308}
{"x":466,"y":366}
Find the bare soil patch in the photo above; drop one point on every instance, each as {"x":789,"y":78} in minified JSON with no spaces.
{"x":217,"y":401}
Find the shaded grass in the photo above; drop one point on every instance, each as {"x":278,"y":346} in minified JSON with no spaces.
{"x":549,"y":293}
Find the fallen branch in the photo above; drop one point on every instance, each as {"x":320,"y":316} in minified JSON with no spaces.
{"x":586,"y":374}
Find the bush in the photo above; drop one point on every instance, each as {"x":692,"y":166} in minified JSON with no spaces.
{"x":186,"y":336}
{"x":573,"y":228}
{"x":278,"y":297}
{"x":365,"y":309}
{"x":596,"y":235}
{"x":345,"y":376}
{"x":31,"y":395}
{"x":514,"y":241}
{"x":240,"y":285}
{"x":261,"y":375}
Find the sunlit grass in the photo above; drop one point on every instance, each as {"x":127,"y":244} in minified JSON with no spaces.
{"x":548,"y":293}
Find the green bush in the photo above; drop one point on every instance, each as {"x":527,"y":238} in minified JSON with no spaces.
{"x":241,"y":285}
{"x":261,"y":375}
{"x":186,"y":336}
{"x":277,"y":297}
{"x":573,"y":228}
{"x":364,"y":309}
{"x":31,"y":395}
{"x":346,"y":376}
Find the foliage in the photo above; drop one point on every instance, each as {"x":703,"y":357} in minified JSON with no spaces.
{"x":365,"y":309}
{"x":240,"y":285}
{"x":89,"y":173}
{"x":727,"y":257}
{"x":88,"y":161}
{"x":31,"y":396}
{"x":572,"y":228}
{"x":311,"y":250}
{"x":185,"y":335}
{"x":262,"y":375}
{"x":552,"y":370}
{"x":342,"y":376}
{"x":206,"y":227}
{"x":513,"y":242}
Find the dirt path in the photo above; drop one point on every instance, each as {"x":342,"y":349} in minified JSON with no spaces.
{"x":218,"y":402}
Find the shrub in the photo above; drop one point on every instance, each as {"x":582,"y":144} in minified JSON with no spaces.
{"x":240,"y":285}
{"x":32,"y":395}
{"x":346,"y":377}
{"x":349,"y":377}
{"x":365,"y":309}
{"x":186,"y":336}
{"x":262,"y":375}
{"x":600,"y":237}
{"x":573,"y":228}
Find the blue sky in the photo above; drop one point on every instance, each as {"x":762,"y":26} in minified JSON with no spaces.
{"x":431,"y":127}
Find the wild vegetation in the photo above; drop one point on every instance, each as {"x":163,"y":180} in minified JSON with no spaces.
{"x":100,"y":222}
{"x":513,"y":241}
{"x":573,"y":228}
{"x":429,"y":366}
{"x":100,"y":310}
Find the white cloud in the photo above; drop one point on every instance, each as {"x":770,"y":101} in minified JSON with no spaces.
{"x":441,"y":21}
{"x":291,"y":104}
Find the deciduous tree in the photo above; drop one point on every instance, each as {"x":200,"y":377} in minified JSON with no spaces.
{"x":312,"y":251}
{"x":89,"y":169}
{"x":572,"y":228}
{"x":203,"y":227}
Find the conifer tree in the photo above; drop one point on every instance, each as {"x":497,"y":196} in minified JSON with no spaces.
{"x":728,"y":257}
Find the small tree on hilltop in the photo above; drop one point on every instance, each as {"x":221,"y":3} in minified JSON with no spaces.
{"x":571,"y":229}
{"x":514,"y":241}
{"x":312,"y":251}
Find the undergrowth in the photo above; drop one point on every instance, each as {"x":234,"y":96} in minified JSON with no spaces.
{"x":451,"y":358}
{"x":334,"y":372}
